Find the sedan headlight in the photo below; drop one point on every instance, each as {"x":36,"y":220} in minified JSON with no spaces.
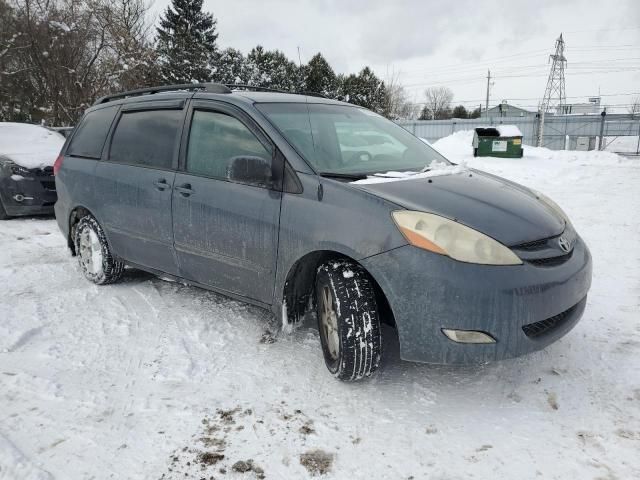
{"x":18,"y":170}
{"x":446,"y":237}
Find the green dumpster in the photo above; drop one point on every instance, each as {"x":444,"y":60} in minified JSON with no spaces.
{"x":500,"y":141}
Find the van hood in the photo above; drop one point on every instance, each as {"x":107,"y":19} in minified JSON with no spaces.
{"x":504,"y":210}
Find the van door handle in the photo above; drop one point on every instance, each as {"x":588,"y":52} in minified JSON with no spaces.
{"x":161,"y":184}
{"x":185,"y":190}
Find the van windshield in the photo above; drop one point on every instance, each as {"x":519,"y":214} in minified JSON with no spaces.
{"x":344,"y":140}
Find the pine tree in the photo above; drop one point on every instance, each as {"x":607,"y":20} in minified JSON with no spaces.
{"x":365,"y":89}
{"x":186,"y":42}
{"x":460,"y":112}
{"x":425,"y":114}
{"x":271,"y":69}
{"x":230,"y":67}
{"x":475,"y":113}
{"x":319,"y":77}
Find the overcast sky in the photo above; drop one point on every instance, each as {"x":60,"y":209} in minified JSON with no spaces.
{"x":451,"y":42}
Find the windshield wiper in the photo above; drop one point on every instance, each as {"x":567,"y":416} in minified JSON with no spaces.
{"x":346,"y":176}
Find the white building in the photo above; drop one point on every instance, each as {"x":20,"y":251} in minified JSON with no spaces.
{"x":590,"y":107}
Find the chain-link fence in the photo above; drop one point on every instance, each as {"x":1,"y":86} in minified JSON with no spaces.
{"x":569,"y":132}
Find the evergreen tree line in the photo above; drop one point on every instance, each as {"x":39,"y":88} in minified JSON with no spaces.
{"x":459,"y":111}
{"x":58,"y":56}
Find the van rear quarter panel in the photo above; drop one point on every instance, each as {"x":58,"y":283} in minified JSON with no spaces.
{"x":345,"y":220}
{"x":75,"y":183}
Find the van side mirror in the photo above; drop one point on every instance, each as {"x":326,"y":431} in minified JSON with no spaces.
{"x":250,"y":170}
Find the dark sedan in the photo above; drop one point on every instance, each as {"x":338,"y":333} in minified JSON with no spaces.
{"x":27,"y":154}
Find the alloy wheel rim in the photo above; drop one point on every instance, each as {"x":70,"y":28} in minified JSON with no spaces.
{"x":329,"y":323}
{"x":90,"y":251}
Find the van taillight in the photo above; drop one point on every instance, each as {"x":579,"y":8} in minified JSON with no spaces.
{"x":57,"y":164}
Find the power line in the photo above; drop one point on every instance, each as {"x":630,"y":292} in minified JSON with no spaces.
{"x":603,"y":47}
{"x":478,"y":100}
{"x":590,"y":72}
{"x":507,"y":58}
{"x":476,"y":79}
{"x":604,"y":30}
{"x":613,"y":63}
{"x":532,"y":106}
{"x":482,"y":64}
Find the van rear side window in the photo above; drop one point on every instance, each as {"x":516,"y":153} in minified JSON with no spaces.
{"x":147,"y":138}
{"x":91,"y":134}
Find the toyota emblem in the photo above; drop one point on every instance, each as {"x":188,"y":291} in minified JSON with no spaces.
{"x":565,"y":245}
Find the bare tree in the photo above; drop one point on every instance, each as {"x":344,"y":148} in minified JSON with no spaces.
{"x":437,"y":103}
{"x":398,"y":105}
{"x":130,"y":60}
{"x":65,"y":53}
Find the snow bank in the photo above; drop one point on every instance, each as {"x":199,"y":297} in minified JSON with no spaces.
{"x":30,"y":146}
{"x":621,"y":144}
{"x":593,"y":157}
{"x":457,"y":147}
{"x":509,"y":131}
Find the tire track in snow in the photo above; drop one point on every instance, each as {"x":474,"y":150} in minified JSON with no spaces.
{"x":25,"y":338}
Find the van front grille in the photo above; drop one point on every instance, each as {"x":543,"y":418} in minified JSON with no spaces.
{"x":533,"y":246}
{"x":538,"y":329}
{"x":550,"y":261}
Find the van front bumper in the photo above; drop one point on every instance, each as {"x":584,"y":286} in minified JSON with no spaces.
{"x":428,"y":292}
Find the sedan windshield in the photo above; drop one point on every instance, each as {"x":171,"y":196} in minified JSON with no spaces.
{"x":349,"y":141}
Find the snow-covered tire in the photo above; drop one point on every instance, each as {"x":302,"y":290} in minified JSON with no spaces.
{"x":350,"y":334}
{"x":94,"y":255}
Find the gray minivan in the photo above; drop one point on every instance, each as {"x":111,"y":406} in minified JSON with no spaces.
{"x":298,"y":203}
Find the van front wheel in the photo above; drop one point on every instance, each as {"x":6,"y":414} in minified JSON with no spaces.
{"x":348,"y":320}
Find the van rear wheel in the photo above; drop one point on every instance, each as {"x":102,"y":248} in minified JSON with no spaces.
{"x":94,"y":255}
{"x":348,"y":320}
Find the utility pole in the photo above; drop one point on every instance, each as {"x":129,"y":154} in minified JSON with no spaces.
{"x":603,"y":115}
{"x":488,"y":87}
{"x":554,"y":93}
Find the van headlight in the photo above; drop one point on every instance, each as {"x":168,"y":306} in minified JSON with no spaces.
{"x":446,"y":237}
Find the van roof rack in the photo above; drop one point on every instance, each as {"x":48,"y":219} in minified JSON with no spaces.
{"x":207,"y":87}
{"x":313,"y":94}
{"x":266,"y":89}
{"x":254,"y":88}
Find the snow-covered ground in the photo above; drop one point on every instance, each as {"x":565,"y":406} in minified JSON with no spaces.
{"x":150,"y":379}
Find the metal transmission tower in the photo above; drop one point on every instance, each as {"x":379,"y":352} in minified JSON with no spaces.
{"x":555,"y":94}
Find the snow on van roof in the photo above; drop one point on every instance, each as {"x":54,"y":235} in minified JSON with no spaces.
{"x":509,"y":131}
{"x":30,"y":146}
